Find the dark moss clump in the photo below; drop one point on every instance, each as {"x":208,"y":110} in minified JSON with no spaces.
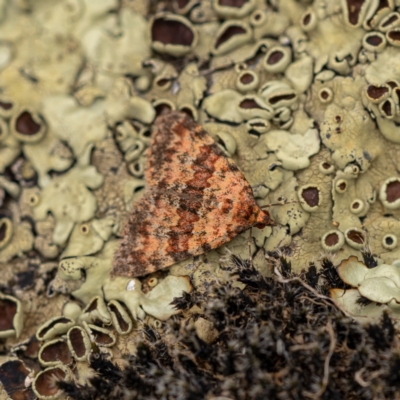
{"x":278,"y":339}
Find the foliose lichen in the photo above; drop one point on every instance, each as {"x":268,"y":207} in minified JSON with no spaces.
{"x":304,"y":96}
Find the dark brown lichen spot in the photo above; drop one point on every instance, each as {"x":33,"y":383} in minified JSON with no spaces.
{"x":324,"y":94}
{"x":311,"y":196}
{"x":162,"y":82}
{"x":374,"y":40}
{"x":389,"y":240}
{"x":122,"y":323}
{"x":5,"y":105}
{"x":332,"y":239}
{"x":306,"y":19}
{"x":233,"y":3}
{"x":188,"y":111}
{"x":338,"y":119}
{"x":146,"y":133}
{"x":392,"y":84}
{"x":257,"y":16}
{"x":387,"y":108}
{"x":3,"y":230}
{"x":57,"y":351}
{"x":376,"y":92}
{"x":8,"y":309}
{"x":276,"y":99}
{"x":342,"y":186}
{"x":356,"y":205}
{"x":47,"y":328}
{"x":182,"y":3}
{"x":162,"y":108}
{"x":46,"y":383}
{"x":275,"y":57}
{"x":248,"y":103}
{"x":26,"y":125}
{"x":326,"y":165}
{"x":355,"y":236}
{"x":390,"y":21}
{"x":382,"y":4}
{"x":171,"y":32}
{"x":230,"y":32}
{"x":257,"y":124}
{"x":12,"y":376}
{"x":394,"y":35}
{"x":393,"y":191}
{"x":397,"y":94}
{"x":101,"y":338}
{"x":246,"y":79}
{"x":32,"y":348}
{"x":77,"y":341}
{"x":137,"y":167}
{"x":354,"y":8}
{"x":92,"y":306}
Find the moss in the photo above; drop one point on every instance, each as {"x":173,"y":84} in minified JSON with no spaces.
{"x":260,"y":333}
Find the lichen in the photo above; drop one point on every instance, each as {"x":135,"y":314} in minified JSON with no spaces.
{"x":73,"y":185}
{"x":379,"y":285}
{"x":16,"y":236}
{"x":304,"y":96}
{"x":92,"y":273}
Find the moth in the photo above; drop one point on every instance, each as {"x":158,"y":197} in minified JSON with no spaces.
{"x":195,"y":200}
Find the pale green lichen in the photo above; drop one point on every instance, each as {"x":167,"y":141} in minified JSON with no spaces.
{"x":155,"y":303}
{"x":75,"y":201}
{"x":261,"y":78}
{"x":12,"y":321}
{"x":300,"y":73}
{"x":88,"y":238}
{"x":191,"y":87}
{"x":173,"y":45}
{"x":43,"y":385}
{"x":111,"y":51}
{"x":75,"y":345}
{"x":222,"y":106}
{"x":96,"y":310}
{"x":120,"y":317}
{"x":327,"y":40}
{"x":53,"y":327}
{"x":49,"y":154}
{"x":97,"y":283}
{"x":68,"y":120}
{"x":286,"y":210}
{"x":380,"y":285}
{"x":17,"y":236}
{"x":9,"y":147}
{"x":292,"y":150}
{"x":231,"y":35}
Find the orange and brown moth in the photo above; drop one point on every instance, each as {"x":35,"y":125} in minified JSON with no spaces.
{"x":195,"y":200}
